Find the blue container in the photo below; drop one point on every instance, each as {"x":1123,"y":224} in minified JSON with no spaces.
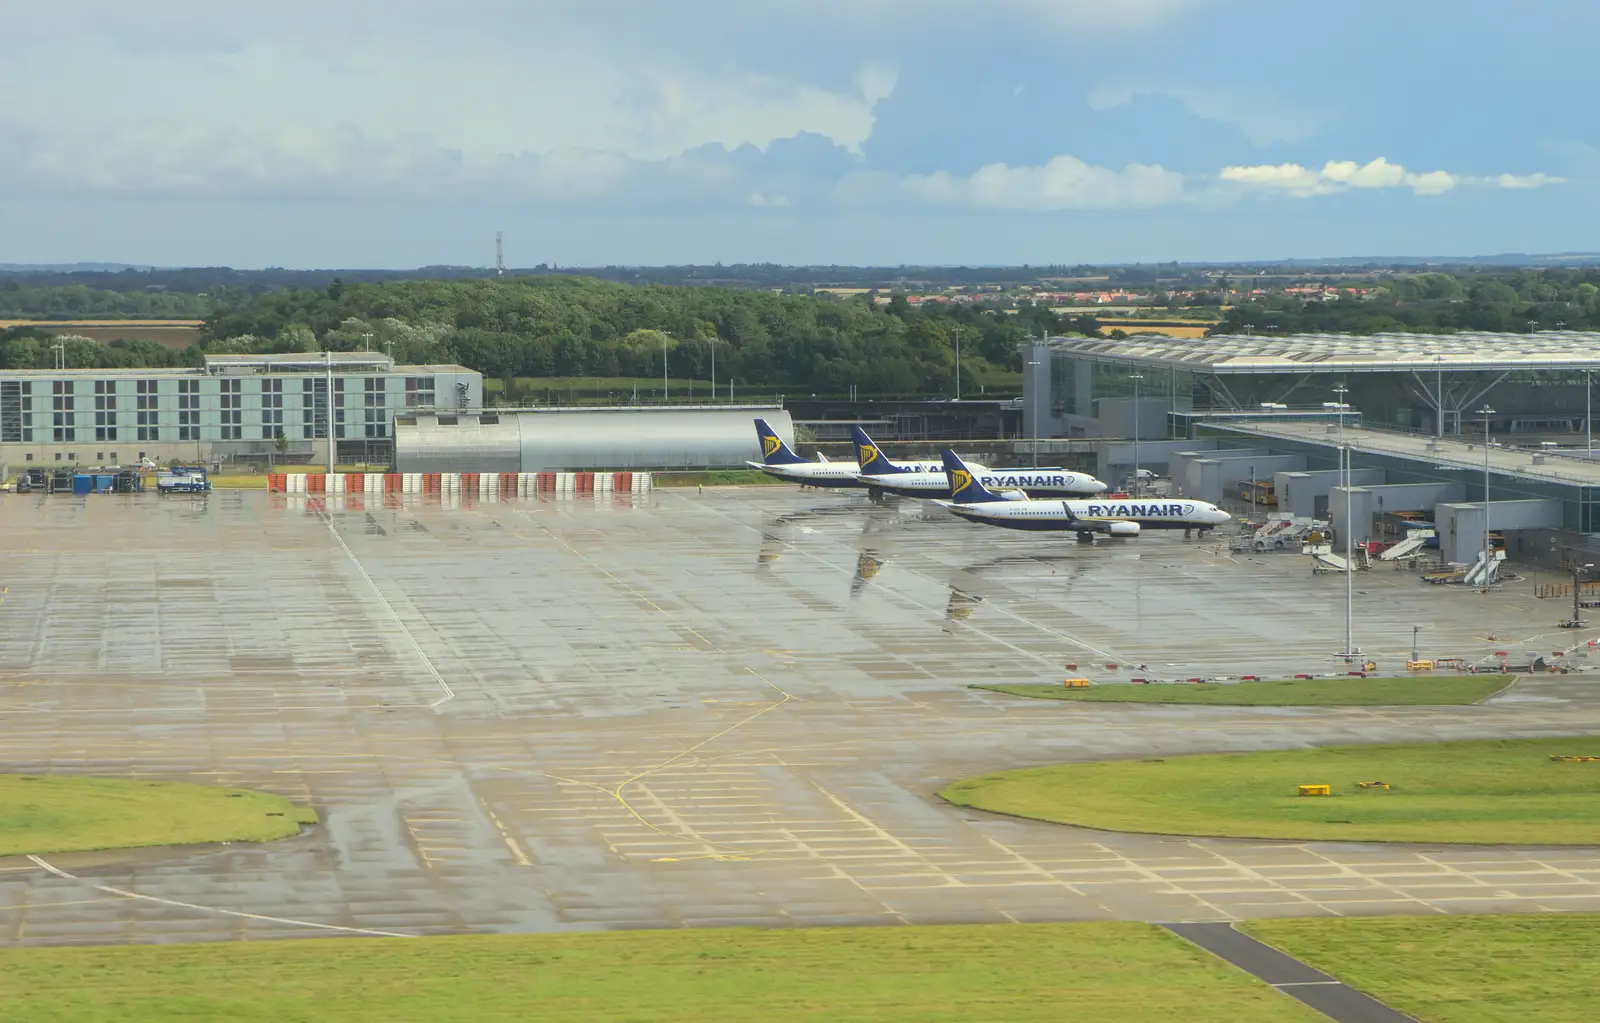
{"x":104,"y":482}
{"x":82,"y":484}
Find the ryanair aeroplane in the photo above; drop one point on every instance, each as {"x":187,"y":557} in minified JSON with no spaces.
{"x":1119,"y":516}
{"x":778,"y":461}
{"x":879,"y":475}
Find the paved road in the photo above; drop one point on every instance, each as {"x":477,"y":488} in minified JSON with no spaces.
{"x":729,"y":708}
{"x":1289,"y":975}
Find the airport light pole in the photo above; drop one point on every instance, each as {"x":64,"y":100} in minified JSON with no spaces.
{"x":1577,"y":607}
{"x":1349,"y":534}
{"x":1414,"y":630}
{"x":1136,"y":378}
{"x":1438,"y":417}
{"x":1032,"y":363}
{"x":327,"y":407}
{"x":665,"y":334}
{"x":1488,"y":551}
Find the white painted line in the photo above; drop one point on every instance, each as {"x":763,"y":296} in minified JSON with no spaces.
{"x":449,"y":694}
{"x":57,"y":871}
{"x":1310,"y":983}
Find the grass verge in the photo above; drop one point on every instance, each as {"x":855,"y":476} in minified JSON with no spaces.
{"x":1457,"y":969}
{"x":45,"y":814}
{"x":1346,"y":692}
{"x":1088,"y":972}
{"x":1452,"y":792}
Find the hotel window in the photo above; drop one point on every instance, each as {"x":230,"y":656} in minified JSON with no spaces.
{"x":147,"y":409}
{"x":377,"y":416}
{"x":232,"y":409}
{"x":271,"y":408}
{"x":105,"y":410}
{"x":16,"y":411}
{"x":188,"y":410}
{"x":61,"y":410}
{"x":419,"y":392}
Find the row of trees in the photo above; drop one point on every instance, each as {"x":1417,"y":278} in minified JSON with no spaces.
{"x":74,"y":301}
{"x":577,"y":327}
{"x":32,"y":348}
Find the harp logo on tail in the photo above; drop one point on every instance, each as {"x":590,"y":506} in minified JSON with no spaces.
{"x":960,"y":480}
{"x":770,"y":445}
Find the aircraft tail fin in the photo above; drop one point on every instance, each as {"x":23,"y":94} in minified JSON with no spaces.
{"x":870,"y":458}
{"x":965,"y":488}
{"x":773,"y":450}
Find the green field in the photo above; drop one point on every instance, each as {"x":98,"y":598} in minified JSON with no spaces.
{"x":67,"y":814}
{"x":1457,"y":969}
{"x":1344,"y":692}
{"x":1469,"y":792}
{"x":1111,"y":972}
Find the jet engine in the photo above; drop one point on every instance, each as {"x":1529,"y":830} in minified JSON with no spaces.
{"x":1122,"y":528}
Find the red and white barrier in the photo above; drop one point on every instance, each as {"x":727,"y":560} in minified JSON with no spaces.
{"x":485,"y":486}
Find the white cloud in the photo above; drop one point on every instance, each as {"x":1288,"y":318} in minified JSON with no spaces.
{"x":773,"y":202}
{"x":1339,"y":175}
{"x":1263,"y":117}
{"x":1523,"y":180}
{"x":1064,"y":183}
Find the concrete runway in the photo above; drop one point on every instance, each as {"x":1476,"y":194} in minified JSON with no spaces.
{"x":689,"y":709}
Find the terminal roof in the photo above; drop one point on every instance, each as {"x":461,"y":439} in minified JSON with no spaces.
{"x":1474,"y":351}
{"x":1567,"y":466}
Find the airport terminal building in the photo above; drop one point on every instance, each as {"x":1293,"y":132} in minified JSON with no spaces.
{"x":1217,"y":412}
{"x":232,"y":407}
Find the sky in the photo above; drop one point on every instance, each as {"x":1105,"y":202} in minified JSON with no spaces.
{"x":402,"y":133}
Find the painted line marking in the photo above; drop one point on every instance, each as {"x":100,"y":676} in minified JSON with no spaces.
{"x":58,"y":872}
{"x":449,"y":693}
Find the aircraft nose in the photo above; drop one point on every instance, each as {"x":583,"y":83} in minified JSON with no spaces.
{"x":1222,"y":516}
{"x":1096,"y":486}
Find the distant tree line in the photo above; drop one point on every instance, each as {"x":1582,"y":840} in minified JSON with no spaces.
{"x":19,"y":301}
{"x":578,"y":327}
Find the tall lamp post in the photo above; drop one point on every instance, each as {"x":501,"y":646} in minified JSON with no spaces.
{"x":1349,"y":533}
{"x":1438,"y":412}
{"x":1034,"y":426}
{"x":1488,"y":552}
{"x":665,"y":334}
{"x":1136,"y":378}
{"x":1577,"y":605}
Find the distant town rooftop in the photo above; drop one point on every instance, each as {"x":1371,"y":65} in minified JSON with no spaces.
{"x":1473,"y":351}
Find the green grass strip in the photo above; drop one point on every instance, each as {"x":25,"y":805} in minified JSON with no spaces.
{"x":1457,"y":969}
{"x":48,"y":814}
{"x":1089,"y":973}
{"x":1503,"y":792}
{"x":1421,"y":690}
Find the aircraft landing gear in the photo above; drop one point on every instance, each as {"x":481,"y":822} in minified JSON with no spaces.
{"x":875,"y":495}
{"x":1084,"y":536}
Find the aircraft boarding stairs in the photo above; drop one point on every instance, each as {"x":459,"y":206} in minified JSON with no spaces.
{"x":1473,"y":574}
{"x":1323,"y":558}
{"x":1409,"y":549}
